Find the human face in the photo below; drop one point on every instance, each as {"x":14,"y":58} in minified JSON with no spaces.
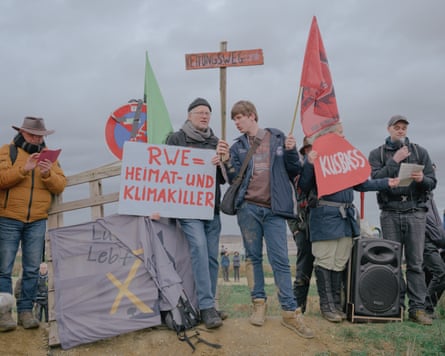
{"x":200,"y":117}
{"x":31,"y":138}
{"x":398,"y":131}
{"x":246,"y":124}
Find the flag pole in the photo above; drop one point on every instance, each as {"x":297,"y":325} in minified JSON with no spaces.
{"x":296,"y":110}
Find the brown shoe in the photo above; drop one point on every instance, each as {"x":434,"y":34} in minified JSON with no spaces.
{"x":7,"y":323}
{"x":419,"y":316}
{"x":259,"y":309}
{"x":294,"y":320}
{"x":27,"y":320}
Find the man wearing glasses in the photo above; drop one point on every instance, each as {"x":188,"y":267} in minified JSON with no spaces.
{"x":203,"y":235}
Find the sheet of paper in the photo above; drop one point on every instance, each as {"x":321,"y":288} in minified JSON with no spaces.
{"x":49,"y":154}
{"x":405,"y":173}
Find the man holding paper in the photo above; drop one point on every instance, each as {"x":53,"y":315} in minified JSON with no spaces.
{"x":403,"y":209}
{"x":27,"y":184}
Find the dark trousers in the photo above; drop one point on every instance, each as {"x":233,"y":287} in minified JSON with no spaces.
{"x":434,"y":267}
{"x":304,"y":268}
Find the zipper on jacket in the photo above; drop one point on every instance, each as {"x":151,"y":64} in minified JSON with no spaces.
{"x":30,"y":196}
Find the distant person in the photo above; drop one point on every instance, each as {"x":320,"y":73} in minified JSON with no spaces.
{"x":236,"y":263}
{"x":27,"y":186}
{"x":42,"y":293}
{"x":263,"y":203}
{"x":225,"y":264}
{"x":299,"y":227}
{"x":403,"y":210}
{"x":333,"y":222}
{"x":434,"y":265}
{"x":203,"y":235}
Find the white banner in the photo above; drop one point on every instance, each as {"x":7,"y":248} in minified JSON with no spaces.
{"x":174,"y":181}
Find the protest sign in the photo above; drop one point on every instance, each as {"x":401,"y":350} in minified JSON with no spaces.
{"x":339,"y":165}
{"x":173,"y":181}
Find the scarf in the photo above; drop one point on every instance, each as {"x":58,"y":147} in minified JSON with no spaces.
{"x":193,"y":133}
{"x":20,"y":141}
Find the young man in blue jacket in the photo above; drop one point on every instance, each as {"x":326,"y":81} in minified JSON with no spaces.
{"x":263,"y":202}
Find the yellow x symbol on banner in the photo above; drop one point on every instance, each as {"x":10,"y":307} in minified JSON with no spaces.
{"x":123,"y":288}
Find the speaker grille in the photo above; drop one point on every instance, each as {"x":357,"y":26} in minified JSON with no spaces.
{"x":378,"y":289}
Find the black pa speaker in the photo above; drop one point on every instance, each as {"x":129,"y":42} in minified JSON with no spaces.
{"x":375,"y":277}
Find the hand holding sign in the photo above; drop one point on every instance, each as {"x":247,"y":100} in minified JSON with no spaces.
{"x":338,"y":165}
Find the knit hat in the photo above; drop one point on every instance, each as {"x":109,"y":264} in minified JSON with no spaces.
{"x":34,"y":126}
{"x":396,"y":118}
{"x":198,"y":102}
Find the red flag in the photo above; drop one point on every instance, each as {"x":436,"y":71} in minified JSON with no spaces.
{"x":318,"y":104}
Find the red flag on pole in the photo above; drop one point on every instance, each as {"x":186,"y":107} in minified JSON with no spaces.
{"x":318,"y":104}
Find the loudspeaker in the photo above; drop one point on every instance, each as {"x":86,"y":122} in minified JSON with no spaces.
{"x":375,"y":277}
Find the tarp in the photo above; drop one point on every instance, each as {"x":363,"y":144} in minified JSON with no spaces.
{"x":116,"y":274}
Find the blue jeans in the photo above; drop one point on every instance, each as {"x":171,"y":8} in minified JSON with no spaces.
{"x":255,"y":222}
{"x":32,"y":239}
{"x":408,"y":228}
{"x":203,"y":240}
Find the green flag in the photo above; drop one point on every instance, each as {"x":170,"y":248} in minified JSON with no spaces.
{"x":158,"y":119}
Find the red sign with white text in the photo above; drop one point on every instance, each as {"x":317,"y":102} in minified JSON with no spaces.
{"x":339,"y":164}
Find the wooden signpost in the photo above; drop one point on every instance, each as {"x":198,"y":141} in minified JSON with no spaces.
{"x":222,"y":60}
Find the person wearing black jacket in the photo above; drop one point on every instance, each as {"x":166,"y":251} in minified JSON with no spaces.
{"x":403,"y":210}
{"x":203,"y":235}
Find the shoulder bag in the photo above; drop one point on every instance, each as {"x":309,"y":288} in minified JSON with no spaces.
{"x":228,"y":201}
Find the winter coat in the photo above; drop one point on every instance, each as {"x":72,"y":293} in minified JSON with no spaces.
{"x":225,"y":261}
{"x":434,"y":230}
{"x":333,"y":216}
{"x":26,"y":197}
{"x":179,"y":138}
{"x":402,"y":198}
{"x":236,"y":260}
{"x":284,"y":167}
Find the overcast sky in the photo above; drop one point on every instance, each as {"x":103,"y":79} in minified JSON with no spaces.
{"x":74,"y":62}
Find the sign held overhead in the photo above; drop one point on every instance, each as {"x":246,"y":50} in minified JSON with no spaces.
{"x":248,"y":57}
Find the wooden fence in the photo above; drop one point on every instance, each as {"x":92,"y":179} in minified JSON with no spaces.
{"x":95,"y":202}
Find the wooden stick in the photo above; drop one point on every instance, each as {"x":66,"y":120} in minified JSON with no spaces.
{"x":296,"y":110}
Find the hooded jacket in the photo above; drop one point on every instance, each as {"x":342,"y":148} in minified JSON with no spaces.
{"x":26,"y":197}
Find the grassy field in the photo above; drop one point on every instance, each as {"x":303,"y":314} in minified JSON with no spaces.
{"x":406,"y":338}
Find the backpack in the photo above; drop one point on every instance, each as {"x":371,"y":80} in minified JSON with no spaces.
{"x":12,"y":153}
{"x":182,"y":318}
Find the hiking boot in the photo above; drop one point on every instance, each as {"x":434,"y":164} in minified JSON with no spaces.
{"x":223,"y":314}
{"x":258,"y":312}
{"x":211,"y":318}
{"x":294,"y":320}
{"x":27,"y":320}
{"x":419,"y":316}
{"x":7,"y":323}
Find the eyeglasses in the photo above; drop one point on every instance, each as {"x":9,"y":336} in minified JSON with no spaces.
{"x":202,"y":113}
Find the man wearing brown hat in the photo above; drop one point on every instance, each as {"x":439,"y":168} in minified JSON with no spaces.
{"x":27,"y":185}
{"x":403,"y":209}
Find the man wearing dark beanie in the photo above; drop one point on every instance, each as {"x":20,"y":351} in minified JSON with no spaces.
{"x":203,"y":235}
{"x":199,"y":102}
